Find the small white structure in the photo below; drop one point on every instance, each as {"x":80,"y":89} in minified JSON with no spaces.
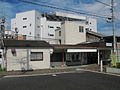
{"x":71,"y":33}
{"x":26,"y":55}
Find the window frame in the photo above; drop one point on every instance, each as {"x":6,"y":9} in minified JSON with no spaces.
{"x":59,"y":33}
{"x":38,"y":26}
{"x":36,"y":57}
{"x":81,"y":29}
{"x":24,"y":26}
{"x":50,"y":26}
{"x":24,"y":18}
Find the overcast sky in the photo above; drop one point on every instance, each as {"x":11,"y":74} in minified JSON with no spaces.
{"x":11,"y":7}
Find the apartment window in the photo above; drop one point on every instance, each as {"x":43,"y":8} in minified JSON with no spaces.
{"x":58,"y":27}
{"x":30,"y":33}
{"x":36,"y":56}
{"x":81,"y":29}
{"x":30,"y":24}
{"x":60,"y":41}
{"x":24,"y":18}
{"x":38,"y":26}
{"x":50,"y":34}
{"x":38,"y":18}
{"x":59,"y":33}
{"x":87,"y":28}
{"x":86,"y":22}
{"x":24,"y":26}
{"x":50,"y":27}
{"x":38,"y":35}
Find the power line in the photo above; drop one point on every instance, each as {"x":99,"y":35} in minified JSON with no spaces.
{"x":66,"y":7}
{"x":59,"y":8}
{"x":103,"y":3}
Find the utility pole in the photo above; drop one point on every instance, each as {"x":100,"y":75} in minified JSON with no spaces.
{"x":2,"y":30}
{"x":113,"y":29}
{"x":113,"y":25}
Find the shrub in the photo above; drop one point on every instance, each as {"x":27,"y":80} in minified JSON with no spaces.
{"x":2,"y":69}
{"x":118,"y":65}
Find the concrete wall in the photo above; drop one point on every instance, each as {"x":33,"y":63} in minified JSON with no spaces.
{"x":21,"y":61}
{"x":55,"y":24}
{"x":32,"y":22}
{"x":30,"y":15}
{"x":38,"y":33}
{"x":92,"y":24}
{"x":62,"y":37}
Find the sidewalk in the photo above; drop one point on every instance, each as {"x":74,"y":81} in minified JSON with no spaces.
{"x":93,"y":67}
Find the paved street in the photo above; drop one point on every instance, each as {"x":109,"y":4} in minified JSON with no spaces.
{"x":78,"y":80}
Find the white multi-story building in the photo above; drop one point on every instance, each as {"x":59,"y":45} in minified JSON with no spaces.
{"x":38,"y":26}
{"x":27,"y":23}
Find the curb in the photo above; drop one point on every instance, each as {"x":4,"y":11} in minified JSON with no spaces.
{"x":1,"y":76}
{"x":102,"y":73}
{"x":53,"y":74}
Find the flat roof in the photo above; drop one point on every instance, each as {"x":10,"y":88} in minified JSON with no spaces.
{"x":26,"y":43}
{"x":70,"y":15}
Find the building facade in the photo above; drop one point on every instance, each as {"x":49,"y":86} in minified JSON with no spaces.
{"x":39,"y":26}
{"x":20,"y":55}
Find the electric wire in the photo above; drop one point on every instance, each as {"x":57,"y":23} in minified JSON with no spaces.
{"x":65,"y":7}
{"x":102,"y":3}
{"x":59,"y":8}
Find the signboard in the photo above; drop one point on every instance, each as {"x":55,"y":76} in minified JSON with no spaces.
{"x":109,"y":44}
{"x":81,"y":50}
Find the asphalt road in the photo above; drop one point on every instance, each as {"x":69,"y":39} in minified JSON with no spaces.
{"x":69,"y":81}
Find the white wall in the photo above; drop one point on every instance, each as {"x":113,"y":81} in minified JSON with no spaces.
{"x":63,"y":33}
{"x":32,"y":22}
{"x":41,"y":64}
{"x":19,"y":61}
{"x":70,"y":33}
{"x":92,"y":24}
{"x":47,"y":31}
{"x":37,"y":25}
{"x":13,"y":24}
